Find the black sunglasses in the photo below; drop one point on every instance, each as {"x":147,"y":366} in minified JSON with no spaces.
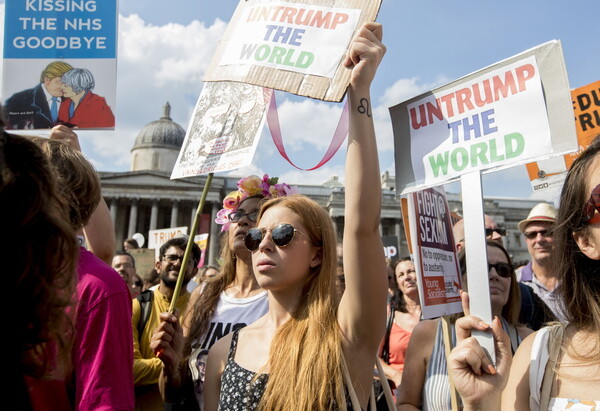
{"x":504,"y":270}
{"x":282,"y":235}
{"x":530,"y":235}
{"x":490,"y":231}
{"x":237,"y":216}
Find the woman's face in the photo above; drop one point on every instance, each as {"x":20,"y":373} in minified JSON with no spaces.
{"x":499,"y":286}
{"x":283,"y":268}
{"x":406,"y":277}
{"x":237,"y":231}
{"x":68,"y":91}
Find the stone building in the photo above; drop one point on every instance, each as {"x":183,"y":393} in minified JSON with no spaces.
{"x":145,"y":198}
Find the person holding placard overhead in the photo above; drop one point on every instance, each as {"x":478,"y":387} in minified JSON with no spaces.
{"x":229,"y":301}
{"x":311,"y":351}
{"x":429,"y":386}
{"x":557,"y":367}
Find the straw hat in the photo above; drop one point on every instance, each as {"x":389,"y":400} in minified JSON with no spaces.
{"x":542,"y":212}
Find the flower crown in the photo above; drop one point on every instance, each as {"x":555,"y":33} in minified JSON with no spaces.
{"x":252,"y":186}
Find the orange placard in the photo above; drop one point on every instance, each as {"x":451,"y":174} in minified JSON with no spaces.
{"x":586,"y":109}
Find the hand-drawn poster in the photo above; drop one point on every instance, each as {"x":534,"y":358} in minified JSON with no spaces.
{"x":224,"y":130}
{"x":296,"y":46}
{"x":60,"y":64}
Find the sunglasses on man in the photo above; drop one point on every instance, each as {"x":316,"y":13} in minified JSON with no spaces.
{"x":490,"y":231}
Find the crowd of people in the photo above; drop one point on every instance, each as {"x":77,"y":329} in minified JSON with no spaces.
{"x":288,"y":321}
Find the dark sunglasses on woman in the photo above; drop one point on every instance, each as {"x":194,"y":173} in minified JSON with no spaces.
{"x":504,"y":270}
{"x":282,"y":235}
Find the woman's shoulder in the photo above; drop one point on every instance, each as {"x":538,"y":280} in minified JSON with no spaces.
{"x":427,"y":327}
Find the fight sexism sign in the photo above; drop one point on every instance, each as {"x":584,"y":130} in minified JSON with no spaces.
{"x":500,"y":116}
{"x":435,"y":259}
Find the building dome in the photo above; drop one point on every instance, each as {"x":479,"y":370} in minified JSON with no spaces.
{"x":157,"y":145}
{"x":161,"y":133}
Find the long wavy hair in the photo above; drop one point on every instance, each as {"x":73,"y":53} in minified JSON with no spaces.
{"x":580,"y":275}
{"x":305,"y":354}
{"x":39,"y":257}
{"x":203,"y":308}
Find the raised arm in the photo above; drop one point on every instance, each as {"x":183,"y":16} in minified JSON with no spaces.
{"x":362,"y":310}
{"x":99,"y":232}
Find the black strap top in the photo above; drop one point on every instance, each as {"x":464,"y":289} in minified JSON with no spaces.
{"x":238,"y":391}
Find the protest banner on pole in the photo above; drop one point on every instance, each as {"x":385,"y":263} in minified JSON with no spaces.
{"x":224,"y":130}
{"x":551,"y":173}
{"x":507,"y":114}
{"x":438,"y":274}
{"x":295,"y":46}
{"x":55,"y":54}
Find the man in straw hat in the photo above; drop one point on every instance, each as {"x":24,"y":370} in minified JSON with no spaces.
{"x":538,"y":273}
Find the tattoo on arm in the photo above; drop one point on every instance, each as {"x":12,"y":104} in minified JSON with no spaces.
{"x":364,"y":107}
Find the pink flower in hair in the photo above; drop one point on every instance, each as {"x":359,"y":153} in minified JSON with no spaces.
{"x":251,"y":186}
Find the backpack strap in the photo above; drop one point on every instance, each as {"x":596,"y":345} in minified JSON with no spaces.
{"x":554,"y":345}
{"x":145,"y":300}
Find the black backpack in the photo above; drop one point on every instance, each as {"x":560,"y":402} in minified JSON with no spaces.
{"x":145,"y":300}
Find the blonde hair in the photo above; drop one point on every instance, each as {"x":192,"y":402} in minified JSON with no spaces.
{"x":305,"y":355}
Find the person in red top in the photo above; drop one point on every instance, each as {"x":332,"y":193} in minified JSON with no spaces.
{"x":80,"y":107}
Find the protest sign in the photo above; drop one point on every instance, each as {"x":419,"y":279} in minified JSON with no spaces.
{"x":55,"y":53}
{"x":144,"y":260}
{"x":551,"y":173}
{"x":506,"y":114}
{"x":156,"y":238}
{"x":295,"y":46}
{"x":201,"y":241}
{"x":438,"y":274}
{"x":224,"y":130}
{"x":390,"y":247}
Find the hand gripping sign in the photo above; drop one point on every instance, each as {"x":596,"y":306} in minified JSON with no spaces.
{"x":509,"y":113}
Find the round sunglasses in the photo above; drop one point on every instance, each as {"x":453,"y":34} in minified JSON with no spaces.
{"x":282,"y":235}
{"x":504,"y":270}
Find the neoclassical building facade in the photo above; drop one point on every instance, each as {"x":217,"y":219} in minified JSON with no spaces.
{"x":145,"y":198}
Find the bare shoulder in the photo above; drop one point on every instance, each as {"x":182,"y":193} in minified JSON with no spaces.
{"x":426,"y":329}
{"x":220,"y":349}
{"x":516,"y":393}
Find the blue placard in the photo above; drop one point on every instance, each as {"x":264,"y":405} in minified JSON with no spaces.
{"x":60,"y":29}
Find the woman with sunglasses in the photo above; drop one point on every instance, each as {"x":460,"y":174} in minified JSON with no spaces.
{"x":429,"y":387}
{"x":558,"y":366}
{"x":293,"y":358}
{"x":229,"y":301}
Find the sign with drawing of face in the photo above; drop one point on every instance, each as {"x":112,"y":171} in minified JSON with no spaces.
{"x":60,"y":64}
{"x":224,"y":130}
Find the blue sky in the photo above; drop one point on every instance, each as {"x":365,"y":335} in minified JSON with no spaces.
{"x":165,"y":47}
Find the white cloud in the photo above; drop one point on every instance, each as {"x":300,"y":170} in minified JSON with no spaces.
{"x":156,"y":64}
